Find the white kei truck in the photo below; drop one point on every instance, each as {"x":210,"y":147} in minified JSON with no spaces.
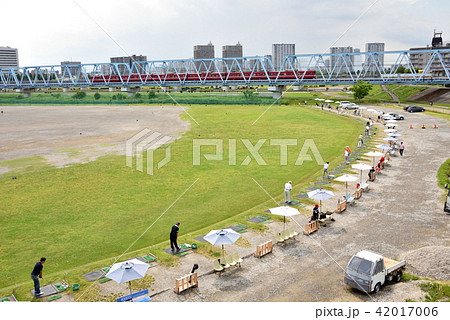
{"x":368,"y":271}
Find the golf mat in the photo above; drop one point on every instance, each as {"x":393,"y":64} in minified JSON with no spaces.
{"x":200,"y":239}
{"x":237,"y":227}
{"x":94,"y":275}
{"x":105,"y":270}
{"x":340,"y":168}
{"x":46,"y":290}
{"x":104,"y":280}
{"x":302,"y":196}
{"x":258,"y":219}
{"x":11,"y":298}
{"x":169,"y":250}
{"x":321,"y":183}
{"x":335,"y":172}
{"x":312,"y":188}
{"x":141,"y":259}
{"x":61,"y":286}
{"x":149,"y":257}
{"x":59,"y":296}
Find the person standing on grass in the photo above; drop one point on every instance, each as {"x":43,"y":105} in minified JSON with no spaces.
{"x":35,"y":275}
{"x":401,"y":148}
{"x":174,"y":236}
{"x":325,"y":170}
{"x":287,"y":192}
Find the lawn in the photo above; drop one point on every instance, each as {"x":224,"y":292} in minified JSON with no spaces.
{"x":90,"y":212}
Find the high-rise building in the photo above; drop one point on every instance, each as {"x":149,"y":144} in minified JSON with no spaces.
{"x":279,"y":52}
{"x":129,"y":60}
{"x":73,"y":70}
{"x":337,"y":63}
{"x":203,"y":52}
{"x":9,"y":57}
{"x":357,"y":59}
{"x":379,"y":58}
{"x":420,"y":59}
{"x":232,"y":51}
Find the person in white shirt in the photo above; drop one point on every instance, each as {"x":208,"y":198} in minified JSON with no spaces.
{"x":346,"y":156}
{"x":287,"y":192}
{"x":325,"y":169}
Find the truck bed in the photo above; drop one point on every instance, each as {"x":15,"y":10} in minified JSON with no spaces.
{"x":392,"y":265}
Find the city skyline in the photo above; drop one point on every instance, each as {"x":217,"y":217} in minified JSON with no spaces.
{"x":89,"y":32}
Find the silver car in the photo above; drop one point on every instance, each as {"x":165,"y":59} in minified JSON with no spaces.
{"x":396,"y":116}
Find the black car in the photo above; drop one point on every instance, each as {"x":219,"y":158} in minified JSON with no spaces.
{"x":415,"y":109}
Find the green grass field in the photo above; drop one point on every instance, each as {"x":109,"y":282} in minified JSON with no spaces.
{"x":82,"y":214}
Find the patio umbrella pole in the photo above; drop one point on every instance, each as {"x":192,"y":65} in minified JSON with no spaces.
{"x":129,"y":283}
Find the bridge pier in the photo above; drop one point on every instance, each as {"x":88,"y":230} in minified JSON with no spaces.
{"x":131,"y":91}
{"x":277,"y":91}
{"x":26,"y":92}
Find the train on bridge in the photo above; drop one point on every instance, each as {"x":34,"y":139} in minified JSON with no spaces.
{"x":214,"y":76}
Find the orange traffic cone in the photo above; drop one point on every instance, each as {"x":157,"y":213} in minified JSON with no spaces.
{"x":423,"y":126}
{"x":435,"y":126}
{"x":410,"y":126}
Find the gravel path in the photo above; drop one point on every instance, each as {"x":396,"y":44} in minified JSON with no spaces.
{"x":402,"y":213}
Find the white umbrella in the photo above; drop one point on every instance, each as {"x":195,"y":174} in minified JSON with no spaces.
{"x":372,"y":110}
{"x":394,"y":134}
{"x":384,"y":146}
{"x":320,"y":194}
{"x":128,"y":270}
{"x":346,"y":178}
{"x":373,"y":154}
{"x":390,"y":139}
{"x":361,"y":166}
{"x":329,"y":101}
{"x":391,"y":121}
{"x":221,"y":237}
{"x":390,"y":130}
{"x":362,"y":108}
{"x":284,"y":211}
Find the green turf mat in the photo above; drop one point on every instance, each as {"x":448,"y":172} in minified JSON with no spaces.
{"x":4,"y":300}
{"x":242,"y":231}
{"x":55,"y":297}
{"x":105,"y":270}
{"x":59,"y":287}
{"x":182,"y":254}
{"x":104,"y":280}
{"x":263,"y":217}
{"x":184,"y":246}
{"x":241,"y":226}
{"x":149,"y":258}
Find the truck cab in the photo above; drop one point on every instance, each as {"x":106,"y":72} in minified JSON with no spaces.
{"x":368,"y":271}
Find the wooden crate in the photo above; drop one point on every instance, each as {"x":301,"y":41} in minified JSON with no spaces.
{"x":263,"y":249}
{"x":311,"y":227}
{"x":186,"y":282}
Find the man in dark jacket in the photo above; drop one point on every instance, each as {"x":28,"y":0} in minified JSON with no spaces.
{"x":35,"y":275}
{"x":174,"y":236}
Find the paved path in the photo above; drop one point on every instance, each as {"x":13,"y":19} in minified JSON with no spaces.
{"x":402,"y":212}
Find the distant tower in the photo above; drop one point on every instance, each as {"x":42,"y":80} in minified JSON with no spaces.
{"x":336,"y":63}
{"x":232,"y":52}
{"x":203,"y":52}
{"x":375,"y":47}
{"x":437,"y":39}
{"x":9,"y":57}
{"x":279,"y":52}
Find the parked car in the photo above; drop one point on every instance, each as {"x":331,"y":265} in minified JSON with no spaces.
{"x":348,"y":105}
{"x":396,"y":116}
{"x":415,"y":109}
{"x":406,"y":107}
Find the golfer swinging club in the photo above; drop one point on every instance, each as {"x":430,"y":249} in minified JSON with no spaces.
{"x":287,"y":192}
{"x":174,"y":236}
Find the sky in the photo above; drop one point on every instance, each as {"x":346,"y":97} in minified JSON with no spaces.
{"x":47,"y":32}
